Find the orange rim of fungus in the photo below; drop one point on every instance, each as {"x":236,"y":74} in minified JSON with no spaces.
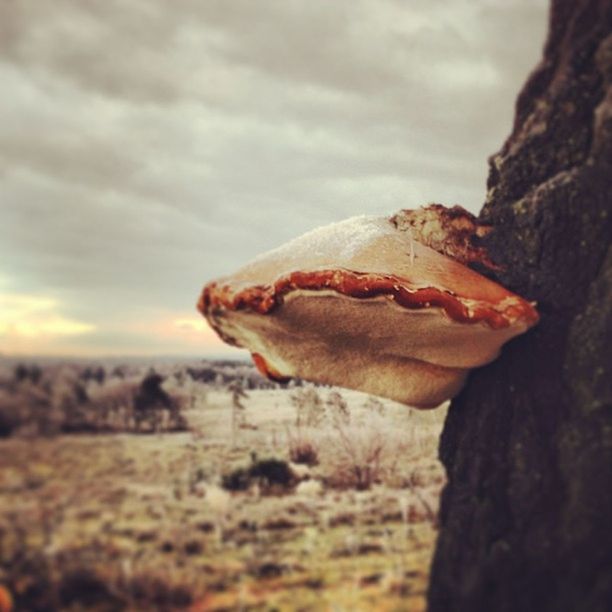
{"x":264,"y":299}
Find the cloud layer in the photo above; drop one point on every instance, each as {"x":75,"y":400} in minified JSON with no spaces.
{"x":148,"y":146}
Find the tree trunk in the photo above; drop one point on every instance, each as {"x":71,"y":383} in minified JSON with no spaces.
{"x":526,"y":517}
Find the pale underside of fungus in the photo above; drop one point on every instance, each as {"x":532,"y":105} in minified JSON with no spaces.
{"x":382,"y":305}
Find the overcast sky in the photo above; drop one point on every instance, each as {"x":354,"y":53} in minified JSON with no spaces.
{"x":149,"y":146}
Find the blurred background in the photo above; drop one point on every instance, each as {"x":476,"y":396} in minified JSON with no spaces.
{"x":147,"y":147}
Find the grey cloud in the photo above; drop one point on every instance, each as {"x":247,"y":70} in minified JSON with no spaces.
{"x":147,"y":146}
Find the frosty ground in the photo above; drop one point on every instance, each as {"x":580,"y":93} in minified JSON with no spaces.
{"x":257,"y":498}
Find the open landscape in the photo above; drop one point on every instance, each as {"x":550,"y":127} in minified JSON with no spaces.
{"x":203,"y":486}
{"x":224,"y":224}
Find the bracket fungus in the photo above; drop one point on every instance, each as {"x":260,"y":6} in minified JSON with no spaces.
{"x":382,"y":305}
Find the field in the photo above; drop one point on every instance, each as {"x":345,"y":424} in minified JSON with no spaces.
{"x":208,"y":488}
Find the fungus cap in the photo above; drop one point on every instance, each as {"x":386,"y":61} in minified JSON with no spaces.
{"x":367,"y":304}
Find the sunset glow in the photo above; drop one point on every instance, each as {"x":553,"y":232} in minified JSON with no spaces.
{"x":29,"y":316}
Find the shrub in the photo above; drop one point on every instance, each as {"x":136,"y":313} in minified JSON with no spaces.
{"x":270,"y":474}
{"x":303,"y":451}
{"x":24,"y":372}
{"x":151,"y":403}
{"x":302,"y":448}
{"x":237,"y":480}
{"x":359,"y":457}
{"x":310,"y":410}
{"x":83,"y":588}
{"x":66,"y":400}
{"x":203,"y":375}
{"x":8,"y":424}
{"x":338,"y":409}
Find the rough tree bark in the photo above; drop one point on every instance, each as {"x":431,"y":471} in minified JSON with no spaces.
{"x":526,"y":518}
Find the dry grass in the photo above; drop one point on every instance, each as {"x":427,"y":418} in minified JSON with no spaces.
{"x":136,"y":522}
